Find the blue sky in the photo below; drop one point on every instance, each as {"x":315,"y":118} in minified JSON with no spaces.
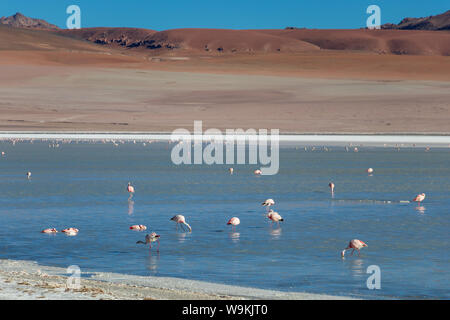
{"x":232,"y":14}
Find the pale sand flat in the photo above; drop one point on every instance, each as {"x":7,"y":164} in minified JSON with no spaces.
{"x":28,"y":280}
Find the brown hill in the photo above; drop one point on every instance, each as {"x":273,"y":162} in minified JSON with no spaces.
{"x":193,"y":40}
{"x":437,"y":22}
{"x":20,"y":21}
{"x":415,"y":42}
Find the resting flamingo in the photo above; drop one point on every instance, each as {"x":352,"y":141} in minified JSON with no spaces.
{"x":149,"y":238}
{"x":130,"y":189}
{"x":234,"y":222}
{"x":419,"y":198}
{"x":354,"y":244}
{"x":70,"y":231}
{"x":139,"y":227}
{"x":179,"y":219}
{"x":49,"y":230}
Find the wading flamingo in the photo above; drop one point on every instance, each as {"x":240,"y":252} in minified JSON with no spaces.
{"x":231,"y":170}
{"x":28,"y":175}
{"x":268,"y":203}
{"x":149,"y":238}
{"x":419,"y":198}
{"x":331,"y":185}
{"x":130,"y":189}
{"x":234,"y":222}
{"x":257,"y":172}
{"x":354,"y":244}
{"x":274,"y":216}
{"x":139,"y":227}
{"x":179,"y":219}
{"x":49,"y":230}
{"x":370,"y":171}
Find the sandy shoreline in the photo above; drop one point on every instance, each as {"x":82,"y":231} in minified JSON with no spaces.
{"x":28,"y":280}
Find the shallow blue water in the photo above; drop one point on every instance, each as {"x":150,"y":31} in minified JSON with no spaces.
{"x":83,"y":185}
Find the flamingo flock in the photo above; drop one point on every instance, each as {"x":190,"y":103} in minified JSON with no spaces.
{"x":180,"y":220}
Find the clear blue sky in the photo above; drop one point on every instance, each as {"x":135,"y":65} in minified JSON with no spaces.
{"x":232,"y":14}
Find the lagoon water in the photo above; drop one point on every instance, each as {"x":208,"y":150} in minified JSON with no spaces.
{"x":84,"y":185}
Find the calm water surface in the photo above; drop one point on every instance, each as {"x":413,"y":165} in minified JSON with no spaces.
{"x":84,"y":185}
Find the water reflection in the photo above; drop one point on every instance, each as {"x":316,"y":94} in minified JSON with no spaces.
{"x":234,"y":236}
{"x":181,"y":236}
{"x":130,"y":207}
{"x":152,"y":261}
{"x":356,"y":267}
{"x":421,"y":209}
{"x":275,"y":233}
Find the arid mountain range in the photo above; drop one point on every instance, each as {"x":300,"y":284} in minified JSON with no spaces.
{"x":411,"y":37}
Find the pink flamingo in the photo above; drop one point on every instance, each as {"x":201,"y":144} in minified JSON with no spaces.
{"x":49,"y":230}
{"x":257,"y":172}
{"x":139,"y":227}
{"x":274,"y":216}
{"x":419,"y":198}
{"x":354,"y":244}
{"x":268,"y":203}
{"x":130,"y":189}
{"x":149,"y":238}
{"x":370,"y":171}
{"x":331,"y":185}
{"x":179,"y":219}
{"x":70,"y":231}
{"x":234,"y":222}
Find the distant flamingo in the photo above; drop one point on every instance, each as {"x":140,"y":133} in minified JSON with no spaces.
{"x":179,"y":219}
{"x":370,"y":171}
{"x":49,"y":230}
{"x":268,"y":203}
{"x":354,"y":244}
{"x":130,"y":189}
{"x":70,"y":231}
{"x":139,"y":227}
{"x":28,"y":175}
{"x":257,"y":172}
{"x":419,"y":198}
{"x":231,"y":170}
{"x":274,"y":216}
{"x":149,"y":238}
{"x":331,"y":185}
{"x":234,"y":222}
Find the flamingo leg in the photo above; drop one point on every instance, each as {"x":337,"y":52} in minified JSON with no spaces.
{"x":157,"y":249}
{"x":358,"y":252}
{"x":352,"y":252}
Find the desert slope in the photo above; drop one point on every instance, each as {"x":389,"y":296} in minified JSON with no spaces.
{"x":195,"y":40}
{"x":411,"y":42}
